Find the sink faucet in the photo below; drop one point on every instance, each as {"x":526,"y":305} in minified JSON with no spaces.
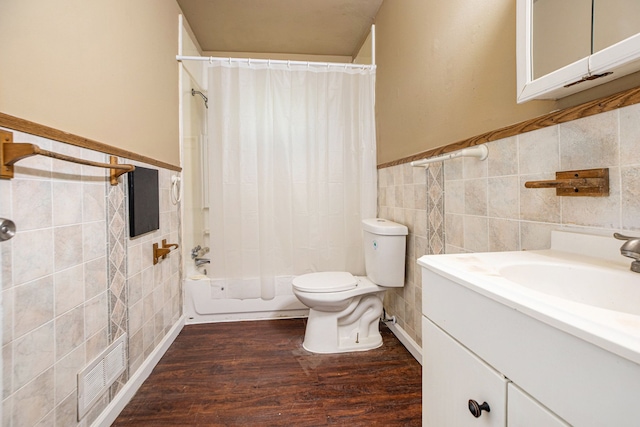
{"x":631,"y":249}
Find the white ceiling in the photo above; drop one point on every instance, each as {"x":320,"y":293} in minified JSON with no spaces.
{"x":311,"y":27}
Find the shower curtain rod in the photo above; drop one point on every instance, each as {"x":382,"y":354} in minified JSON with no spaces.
{"x":275,"y":61}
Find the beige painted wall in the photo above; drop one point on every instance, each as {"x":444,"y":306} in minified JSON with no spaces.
{"x":365,"y":55}
{"x":447,"y":71}
{"x":101,"y":69}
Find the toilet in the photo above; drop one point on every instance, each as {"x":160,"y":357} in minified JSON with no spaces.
{"x":344,"y":309}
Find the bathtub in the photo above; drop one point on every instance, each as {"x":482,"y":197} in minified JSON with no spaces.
{"x":215,"y":300}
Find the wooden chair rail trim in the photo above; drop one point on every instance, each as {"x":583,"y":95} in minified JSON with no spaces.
{"x":601,"y":105}
{"x":22,"y":125}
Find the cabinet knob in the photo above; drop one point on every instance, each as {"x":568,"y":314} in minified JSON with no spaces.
{"x":476,"y":409}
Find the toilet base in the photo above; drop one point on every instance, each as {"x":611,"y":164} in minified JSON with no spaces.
{"x":346,"y":345}
{"x":355,"y":328}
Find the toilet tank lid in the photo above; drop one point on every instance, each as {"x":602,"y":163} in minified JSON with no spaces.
{"x":328,"y":281}
{"x":384,"y":227}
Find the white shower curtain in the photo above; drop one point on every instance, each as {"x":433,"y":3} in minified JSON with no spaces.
{"x":292,"y":172}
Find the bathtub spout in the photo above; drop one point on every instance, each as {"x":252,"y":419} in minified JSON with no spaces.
{"x":202,"y":261}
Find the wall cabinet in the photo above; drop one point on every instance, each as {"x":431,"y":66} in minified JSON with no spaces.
{"x":453,"y":376}
{"x":569,"y":46}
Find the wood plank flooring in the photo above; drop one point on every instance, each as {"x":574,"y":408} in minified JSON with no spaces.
{"x":258,"y":374}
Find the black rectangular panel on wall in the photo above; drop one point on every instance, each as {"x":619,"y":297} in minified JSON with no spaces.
{"x":144,"y":201}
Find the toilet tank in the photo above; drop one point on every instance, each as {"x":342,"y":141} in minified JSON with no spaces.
{"x":384,"y":251}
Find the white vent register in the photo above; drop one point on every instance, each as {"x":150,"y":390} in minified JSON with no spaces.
{"x":97,"y":377}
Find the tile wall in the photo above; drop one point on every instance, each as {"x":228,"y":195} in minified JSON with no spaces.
{"x":413,"y":197}
{"x":72,"y":281}
{"x":487,"y":208}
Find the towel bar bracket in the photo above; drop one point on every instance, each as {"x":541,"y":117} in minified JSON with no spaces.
{"x":578,"y":183}
{"x":6,"y":171}
{"x":162,"y":252}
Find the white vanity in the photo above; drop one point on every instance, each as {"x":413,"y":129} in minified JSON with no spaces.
{"x":541,"y":338}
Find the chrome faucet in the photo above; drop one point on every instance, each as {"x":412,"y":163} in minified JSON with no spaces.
{"x":202,"y":261}
{"x":631,"y":249}
{"x":198,"y":251}
{"x":195,"y":251}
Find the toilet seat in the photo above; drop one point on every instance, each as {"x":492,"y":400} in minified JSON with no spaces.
{"x":328,"y":281}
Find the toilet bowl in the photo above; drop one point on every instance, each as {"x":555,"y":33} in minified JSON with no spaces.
{"x":344,"y":310}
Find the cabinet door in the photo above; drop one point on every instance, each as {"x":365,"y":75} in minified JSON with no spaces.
{"x":524,"y":411}
{"x":451,"y":377}
{"x":561,"y":34}
{"x":614,"y":21}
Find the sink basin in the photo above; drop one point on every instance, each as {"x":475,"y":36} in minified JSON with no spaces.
{"x":563,"y":324}
{"x":581,"y":286}
{"x":595,"y":286}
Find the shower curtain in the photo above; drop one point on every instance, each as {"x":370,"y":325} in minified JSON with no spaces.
{"x":292,"y":172}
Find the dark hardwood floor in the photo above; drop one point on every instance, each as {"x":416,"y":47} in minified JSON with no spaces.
{"x":258,"y":374}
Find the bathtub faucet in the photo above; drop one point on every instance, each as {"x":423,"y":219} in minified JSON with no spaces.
{"x":198,"y":251}
{"x":194,"y":251}
{"x":202,"y":261}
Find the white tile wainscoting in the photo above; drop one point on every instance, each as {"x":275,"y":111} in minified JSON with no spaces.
{"x":72,"y":281}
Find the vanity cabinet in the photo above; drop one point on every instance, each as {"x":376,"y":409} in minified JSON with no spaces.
{"x":475,"y":346}
{"x":569,"y":46}
{"x":453,"y":377}
{"x":525,"y":411}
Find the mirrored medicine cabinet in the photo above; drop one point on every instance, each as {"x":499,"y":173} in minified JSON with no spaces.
{"x":566,"y":46}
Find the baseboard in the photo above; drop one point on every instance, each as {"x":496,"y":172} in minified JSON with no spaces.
{"x":406,"y":340}
{"x":111,"y":412}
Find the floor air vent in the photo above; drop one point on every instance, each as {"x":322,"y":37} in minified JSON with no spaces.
{"x":97,"y":377}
